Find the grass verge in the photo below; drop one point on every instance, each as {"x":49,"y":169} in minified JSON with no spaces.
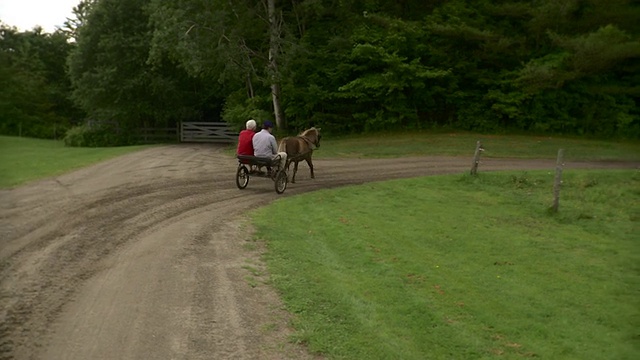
{"x":26,"y":159}
{"x":464,"y":144}
{"x":460,"y":267}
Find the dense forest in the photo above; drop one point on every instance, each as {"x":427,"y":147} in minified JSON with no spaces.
{"x":543,"y":66}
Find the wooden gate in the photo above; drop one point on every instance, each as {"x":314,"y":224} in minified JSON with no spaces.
{"x":214,"y":132}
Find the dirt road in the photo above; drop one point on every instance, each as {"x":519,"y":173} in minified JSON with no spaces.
{"x":149,"y":256}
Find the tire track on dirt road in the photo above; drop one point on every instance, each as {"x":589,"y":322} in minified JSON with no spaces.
{"x":145,"y":256}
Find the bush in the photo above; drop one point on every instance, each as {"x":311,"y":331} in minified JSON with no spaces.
{"x":97,"y":136}
{"x":238,"y":110}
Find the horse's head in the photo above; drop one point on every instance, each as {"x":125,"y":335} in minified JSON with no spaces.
{"x":313,"y":135}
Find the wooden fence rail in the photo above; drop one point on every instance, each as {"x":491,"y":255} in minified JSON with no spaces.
{"x":215,"y":132}
{"x":212,"y":132}
{"x":158,"y":135}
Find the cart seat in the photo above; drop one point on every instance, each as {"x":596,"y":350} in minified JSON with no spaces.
{"x":256,"y":160}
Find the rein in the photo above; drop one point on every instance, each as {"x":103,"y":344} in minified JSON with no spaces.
{"x":311,"y":144}
{"x":303,"y":154}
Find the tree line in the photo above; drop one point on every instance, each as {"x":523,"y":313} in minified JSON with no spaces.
{"x":544,"y":66}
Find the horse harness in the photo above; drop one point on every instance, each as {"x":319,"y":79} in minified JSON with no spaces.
{"x":311,"y":144}
{"x":302,"y":155}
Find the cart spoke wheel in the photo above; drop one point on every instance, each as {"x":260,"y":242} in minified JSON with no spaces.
{"x":281,"y":181}
{"x":242,"y":177}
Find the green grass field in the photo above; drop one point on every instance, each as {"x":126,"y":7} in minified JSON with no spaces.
{"x":457,"y":267}
{"x":446,"y":267}
{"x":464,"y":144}
{"x":25,"y":159}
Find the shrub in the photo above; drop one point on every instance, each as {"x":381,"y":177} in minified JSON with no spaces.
{"x":97,"y":136}
{"x":238,"y":110}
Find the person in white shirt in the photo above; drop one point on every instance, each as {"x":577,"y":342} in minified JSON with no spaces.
{"x":264,"y":145}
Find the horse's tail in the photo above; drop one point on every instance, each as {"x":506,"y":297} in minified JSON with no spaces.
{"x":283,"y":145}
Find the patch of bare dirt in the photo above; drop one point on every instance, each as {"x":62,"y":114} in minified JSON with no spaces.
{"x":150,"y":256}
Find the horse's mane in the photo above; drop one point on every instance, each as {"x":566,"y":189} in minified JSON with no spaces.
{"x":306,"y":132}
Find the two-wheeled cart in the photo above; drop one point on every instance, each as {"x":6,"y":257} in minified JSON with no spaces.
{"x":250,"y":166}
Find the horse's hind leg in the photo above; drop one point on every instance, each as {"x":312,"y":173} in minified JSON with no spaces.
{"x":295,"y":170}
{"x":310,"y":167}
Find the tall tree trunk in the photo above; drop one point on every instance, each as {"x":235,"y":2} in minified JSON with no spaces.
{"x":273,"y":63}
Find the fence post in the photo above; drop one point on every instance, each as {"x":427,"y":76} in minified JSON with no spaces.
{"x":476,"y":158}
{"x":558,"y":181}
{"x":179,"y":131}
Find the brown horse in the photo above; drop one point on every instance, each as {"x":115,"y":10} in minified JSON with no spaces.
{"x":300,"y":148}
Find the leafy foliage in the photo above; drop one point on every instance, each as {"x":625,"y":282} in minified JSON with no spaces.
{"x":97,"y":136}
{"x":113,"y":81}
{"x":34,"y":98}
{"x":544,"y":66}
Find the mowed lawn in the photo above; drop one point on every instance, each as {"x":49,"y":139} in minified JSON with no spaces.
{"x":446,"y":267}
{"x":26,"y":159}
{"x":461,"y":267}
{"x":464,"y":144}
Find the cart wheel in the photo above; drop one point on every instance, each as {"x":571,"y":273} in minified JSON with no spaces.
{"x":242,"y":177}
{"x":281,"y":181}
